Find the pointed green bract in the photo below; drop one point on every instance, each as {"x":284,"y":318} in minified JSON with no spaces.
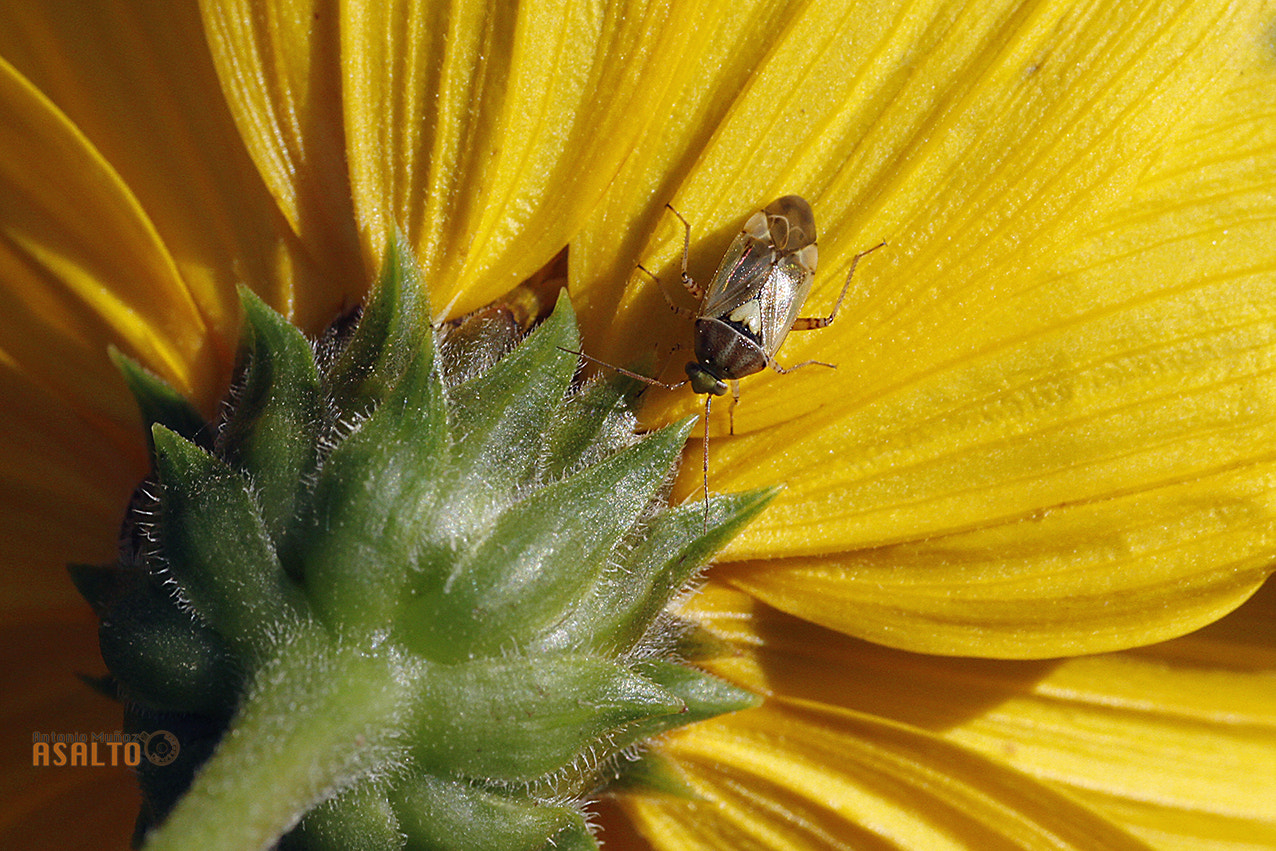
{"x":547,"y":711}
{"x":159,"y":402}
{"x":703,"y":696}
{"x":384,"y":341}
{"x":548,"y":547}
{"x":101,"y":585}
{"x":599,"y":417}
{"x":652,"y":772}
{"x":272,"y":435}
{"x":398,"y":602}
{"x":376,"y":499}
{"x":171,"y":661}
{"x":216,"y":546}
{"x":500,"y":418}
{"x":441,"y":813}
{"x":616,"y":610}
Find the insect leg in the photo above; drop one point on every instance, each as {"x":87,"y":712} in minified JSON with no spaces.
{"x":708,"y":399}
{"x":735,"y":400}
{"x":786,"y":370}
{"x":684,"y":312}
{"x":810,"y":323}
{"x":697,"y":292}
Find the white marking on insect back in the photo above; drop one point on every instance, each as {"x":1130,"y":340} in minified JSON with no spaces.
{"x":748,"y":315}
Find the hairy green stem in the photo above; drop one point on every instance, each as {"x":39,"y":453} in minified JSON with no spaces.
{"x":320,"y":716}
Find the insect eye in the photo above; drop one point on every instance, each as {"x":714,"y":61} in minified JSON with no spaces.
{"x":703,"y":381}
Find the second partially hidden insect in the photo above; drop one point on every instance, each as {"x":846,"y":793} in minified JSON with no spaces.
{"x":751,"y":304}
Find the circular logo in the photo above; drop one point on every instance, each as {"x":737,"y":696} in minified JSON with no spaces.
{"x":161,"y":747}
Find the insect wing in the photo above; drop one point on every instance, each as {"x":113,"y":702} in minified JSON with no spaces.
{"x":758,"y":291}
{"x":740,"y":277}
{"x":783,"y":295}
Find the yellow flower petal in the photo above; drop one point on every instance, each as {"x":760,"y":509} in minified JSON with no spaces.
{"x":804,"y":777}
{"x":1168,"y":387}
{"x":1132,"y":354}
{"x":135,"y":78}
{"x":82,"y":261}
{"x":1075,"y":307}
{"x":1081,"y":578}
{"x":1174,"y":741}
{"x":1002,"y":136}
{"x":730,"y":41}
{"x":487,"y":132}
{"x":279,"y":65}
{"x":1208,"y":702}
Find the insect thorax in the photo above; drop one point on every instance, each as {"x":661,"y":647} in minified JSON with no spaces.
{"x":726,"y":350}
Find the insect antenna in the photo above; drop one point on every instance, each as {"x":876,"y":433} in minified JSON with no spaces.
{"x":636,"y":376}
{"x":652,"y":382}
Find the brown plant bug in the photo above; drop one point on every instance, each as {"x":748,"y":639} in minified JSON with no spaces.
{"x":750,"y":306}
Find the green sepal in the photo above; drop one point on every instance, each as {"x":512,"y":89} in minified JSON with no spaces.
{"x":272,"y":433}
{"x":445,"y":814}
{"x":615,"y":613}
{"x":519,"y":718}
{"x":598,"y":418}
{"x":575,"y":837}
{"x":217,"y":548}
{"x":704,"y":695}
{"x":693,"y":643}
{"x":499,"y":418}
{"x":101,"y":585}
{"x":385,"y":340}
{"x":541,"y":554}
{"x":429,"y":591}
{"x":160,"y":403}
{"x":653,"y":773}
{"x":162,"y":657}
{"x":360,"y":819}
{"x":375,"y":499}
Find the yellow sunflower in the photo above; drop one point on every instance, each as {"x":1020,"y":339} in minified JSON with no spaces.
{"x":1049,"y":433}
